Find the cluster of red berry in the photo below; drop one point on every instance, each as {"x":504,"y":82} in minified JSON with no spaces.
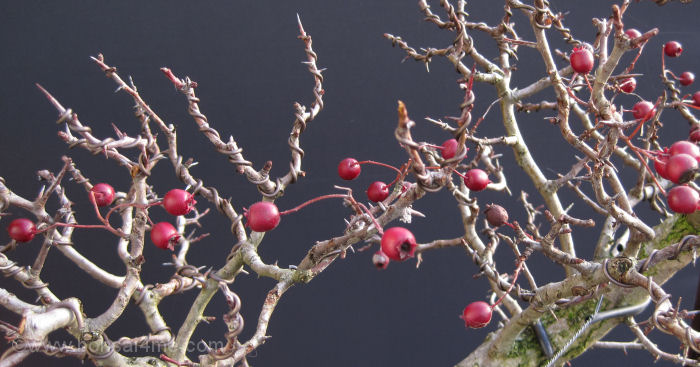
{"x":163,"y":234}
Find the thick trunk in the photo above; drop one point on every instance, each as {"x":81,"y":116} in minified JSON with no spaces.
{"x":526,"y":351}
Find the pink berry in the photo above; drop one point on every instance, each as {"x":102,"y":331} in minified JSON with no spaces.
{"x":164,"y":235}
{"x":628,"y":85}
{"x":683,"y":199}
{"x":581,"y":60}
{"x":685,"y":147}
{"x":103,"y":193}
{"x":178,"y":202}
{"x":380,"y":260}
{"x":476,"y":179}
{"x":633,"y":33}
{"x":477,"y":314}
{"x":349,"y":169}
{"x":696,"y":98}
{"x":263,"y":216}
{"x":398,"y":243}
{"x":21,"y":230}
{"x":378,"y":191}
{"x":681,"y":168}
{"x":643,"y":110}
{"x":673,"y":49}
{"x":686,"y":78}
{"x":660,"y":166}
{"x":694,"y":135}
{"x":449,"y":148}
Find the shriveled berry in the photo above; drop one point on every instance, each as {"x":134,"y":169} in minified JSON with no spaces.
{"x":686,"y":78}
{"x":398,"y":243}
{"x":349,"y":169}
{"x":477,"y":314}
{"x":643,"y":110}
{"x":681,"y":168}
{"x":449,"y":148}
{"x":263,"y":216}
{"x":380,"y":260}
{"x":476,"y":179}
{"x":164,"y":235}
{"x":633,"y":33}
{"x":178,"y":202}
{"x":683,"y":199}
{"x":377,"y":191}
{"x":673,"y":49}
{"x":496,"y":215}
{"x":581,"y":60}
{"x":628,"y":85}
{"x":103,"y":193}
{"x":685,"y":147}
{"x":21,"y":230}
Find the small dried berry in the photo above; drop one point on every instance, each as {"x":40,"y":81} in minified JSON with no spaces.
{"x":380,"y":260}
{"x":496,"y":215}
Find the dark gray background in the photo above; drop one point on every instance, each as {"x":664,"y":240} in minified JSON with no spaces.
{"x":246,"y":59}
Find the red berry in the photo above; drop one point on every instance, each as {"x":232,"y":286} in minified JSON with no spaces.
{"x":681,"y":168}
{"x":476,"y":179}
{"x":349,"y":169}
{"x":643,"y":110}
{"x":21,"y":230}
{"x":673,"y":49}
{"x":103,"y":193}
{"x":685,"y":147}
{"x":628,"y":85}
{"x":449,"y":148}
{"x":477,"y":314}
{"x":686,"y":78}
{"x":660,"y":166}
{"x":696,"y":98}
{"x":633,"y":33}
{"x":581,"y":60}
{"x":683,"y":199}
{"x":378,"y":191}
{"x":164,"y":235}
{"x":380,"y":260}
{"x":496,"y":215}
{"x":178,"y":202}
{"x":263,"y":216}
{"x":398,"y":243}
{"x":694,"y":133}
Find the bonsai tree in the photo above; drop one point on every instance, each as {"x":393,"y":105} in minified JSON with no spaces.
{"x":517,"y":198}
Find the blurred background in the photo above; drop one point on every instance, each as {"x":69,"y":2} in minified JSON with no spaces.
{"x":246,"y":59}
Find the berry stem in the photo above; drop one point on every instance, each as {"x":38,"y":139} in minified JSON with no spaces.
{"x":380,"y":164}
{"x":308,"y":202}
{"x":512,"y":283}
{"x":641,"y":159}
